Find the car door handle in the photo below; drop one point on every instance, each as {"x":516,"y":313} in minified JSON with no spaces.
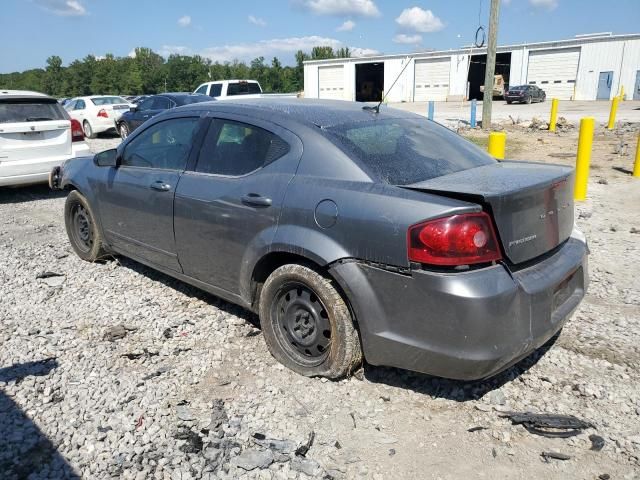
{"x":160,"y":186}
{"x":256,"y":200}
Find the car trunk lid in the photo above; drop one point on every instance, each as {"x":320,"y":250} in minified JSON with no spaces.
{"x":531,"y":203}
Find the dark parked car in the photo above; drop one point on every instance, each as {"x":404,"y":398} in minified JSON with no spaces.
{"x":525,"y":94}
{"x":352,"y":233}
{"x":153,"y":105}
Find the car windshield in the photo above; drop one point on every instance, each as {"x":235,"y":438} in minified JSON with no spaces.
{"x":15,"y":111}
{"x":243,"y":88}
{"x":108,"y":100}
{"x":406,"y":151}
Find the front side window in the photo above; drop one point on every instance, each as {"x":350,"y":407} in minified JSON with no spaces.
{"x":405,"y":151}
{"x":161,"y":103}
{"x":146,"y":104}
{"x":165,"y":145}
{"x":234,"y":148}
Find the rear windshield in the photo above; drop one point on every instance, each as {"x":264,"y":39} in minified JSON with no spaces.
{"x":242,"y":88}
{"x":108,"y":100}
{"x":518,"y":88}
{"x":16,"y":111}
{"x":406,"y":151}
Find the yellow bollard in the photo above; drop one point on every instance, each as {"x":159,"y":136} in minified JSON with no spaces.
{"x":636,"y":164}
{"x":495,"y":147}
{"x":612,"y":114}
{"x":622,"y":93}
{"x":583,"y":158}
{"x":554,"y":115}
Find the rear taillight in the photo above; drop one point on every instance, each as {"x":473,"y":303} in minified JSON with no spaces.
{"x":456,"y":240}
{"x":77,"y":135}
{"x":103,"y":113}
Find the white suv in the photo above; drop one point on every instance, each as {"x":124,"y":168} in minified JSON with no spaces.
{"x":36,"y":134}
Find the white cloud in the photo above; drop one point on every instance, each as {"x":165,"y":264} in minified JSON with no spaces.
{"x":363,"y":52}
{"x":184,"y":21}
{"x":132,"y":53}
{"x":167,"y":50}
{"x":64,"y":8}
{"x":267,"y":48}
{"x":548,"y":4}
{"x":419,"y":20}
{"x":346,"y":26}
{"x":359,"y":8}
{"x":407,"y":39}
{"x":257,"y":21}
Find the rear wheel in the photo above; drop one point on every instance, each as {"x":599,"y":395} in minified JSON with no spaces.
{"x":307,"y":325}
{"x":82,"y":231}
{"x":123,"y":129}
{"x":88,"y":131}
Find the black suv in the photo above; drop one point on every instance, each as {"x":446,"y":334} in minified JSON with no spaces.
{"x":525,"y":94}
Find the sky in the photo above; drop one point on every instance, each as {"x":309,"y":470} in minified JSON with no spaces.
{"x":32,"y":30}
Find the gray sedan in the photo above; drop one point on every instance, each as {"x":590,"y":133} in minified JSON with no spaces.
{"x":355,"y":234}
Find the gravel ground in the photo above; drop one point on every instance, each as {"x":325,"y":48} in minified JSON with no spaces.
{"x":112,"y":370}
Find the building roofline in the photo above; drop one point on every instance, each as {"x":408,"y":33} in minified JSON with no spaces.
{"x":472,"y":50}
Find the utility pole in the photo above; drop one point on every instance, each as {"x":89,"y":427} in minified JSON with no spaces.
{"x":491,"y":64}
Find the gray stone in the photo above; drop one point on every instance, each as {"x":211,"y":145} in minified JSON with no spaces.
{"x":184,"y":413}
{"x":252,"y":459}
{"x":305,"y":465}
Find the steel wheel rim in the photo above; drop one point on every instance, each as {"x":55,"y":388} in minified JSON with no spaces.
{"x":302,"y":324}
{"x":82,"y":228}
{"x":124,"y":131}
{"x":87,"y":129}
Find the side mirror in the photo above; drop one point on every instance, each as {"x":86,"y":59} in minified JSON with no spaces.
{"x":108,"y":158}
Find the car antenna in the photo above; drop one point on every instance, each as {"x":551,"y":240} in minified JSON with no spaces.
{"x":377,"y":107}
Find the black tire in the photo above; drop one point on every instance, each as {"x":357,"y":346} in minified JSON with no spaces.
{"x":528,"y":100}
{"x":508,"y":102}
{"x":123,"y":130}
{"x":88,"y":131}
{"x":82,"y":230}
{"x":307,"y":325}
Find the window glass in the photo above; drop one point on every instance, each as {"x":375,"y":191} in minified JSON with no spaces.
{"x":165,"y":145}
{"x":70,"y":105}
{"x":216,"y":90}
{"x":242,"y":88}
{"x":146,"y":104}
{"x":108,"y":100}
{"x":80,"y":105}
{"x":161,"y":103}
{"x":30,"y":111}
{"x":406,"y":151}
{"x":202,"y":90}
{"x":235,"y":148}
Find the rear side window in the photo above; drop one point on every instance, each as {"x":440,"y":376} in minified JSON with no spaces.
{"x":235,"y":148}
{"x":406,"y":151}
{"x":202,"y":90}
{"x":161,"y":103}
{"x":16,"y":111}
{"x":216,"y":90}
{"x":242,"y":88}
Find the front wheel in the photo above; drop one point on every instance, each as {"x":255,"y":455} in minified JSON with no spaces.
{"x":123,"y":129}
{"x":82,"y":231}
{"x":307,"y":325}
{"x":88,"y":130}
{"x":508,"y":102}
{"x":528,"y":100}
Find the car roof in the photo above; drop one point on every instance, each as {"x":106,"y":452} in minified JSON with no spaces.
{"x":174,"y":95}
{"x":321,"y":113}
{"x":22,"y":94}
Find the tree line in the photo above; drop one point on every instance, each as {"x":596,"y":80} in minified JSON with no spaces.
{"x":148,"y":72}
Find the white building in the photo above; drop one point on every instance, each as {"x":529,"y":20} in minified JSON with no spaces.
{"x":588,"y":67}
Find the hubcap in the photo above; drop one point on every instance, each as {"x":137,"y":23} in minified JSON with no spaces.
{"x":302,"y":323}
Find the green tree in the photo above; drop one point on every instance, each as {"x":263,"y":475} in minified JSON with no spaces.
{"x":54,"y":76}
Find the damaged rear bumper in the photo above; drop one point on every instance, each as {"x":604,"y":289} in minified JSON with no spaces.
{"x":467,"y":325}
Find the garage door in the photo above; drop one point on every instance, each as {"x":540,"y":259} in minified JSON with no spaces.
{"x":432,"y":79}
{"x":331,"y":82}
{"x":554,"y":71}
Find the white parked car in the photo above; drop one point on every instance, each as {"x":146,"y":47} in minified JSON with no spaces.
{"x":97,"y":113}
{"x":36,"y":134}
